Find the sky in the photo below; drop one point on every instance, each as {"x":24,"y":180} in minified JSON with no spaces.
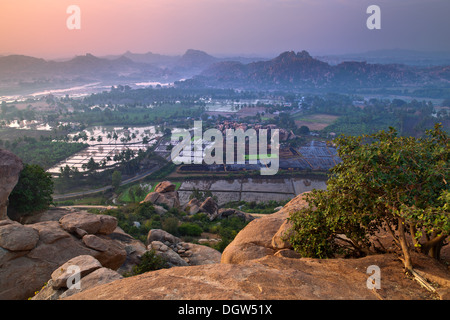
{"x":220,"y":27}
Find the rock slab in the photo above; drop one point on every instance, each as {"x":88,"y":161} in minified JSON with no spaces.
{"x":30,"y":253}
{"x":66,"y":280}
{"x":10,"y":167}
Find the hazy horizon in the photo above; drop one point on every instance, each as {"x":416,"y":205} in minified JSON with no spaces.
{"x":256,"y":28}
{"x":230,"y":55}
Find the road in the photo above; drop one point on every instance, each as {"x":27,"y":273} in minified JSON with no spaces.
{"x":92,"y":191}
{"x":88,"y":207}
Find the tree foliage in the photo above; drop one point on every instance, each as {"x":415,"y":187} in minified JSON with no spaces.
{"x":116,"y":179}
{"x":150,"y":261}
{"x":33,"y":192}
{"x":384,"y":182}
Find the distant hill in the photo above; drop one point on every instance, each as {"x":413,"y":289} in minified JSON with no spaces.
{"x":191,"y":63}
{"x":23,"y":74}
{"x":393,"y":56}
{"x":289,"y":70}
{"x":194,"y":62}
{"x":152,"y":58}
{"x":300,"y":70}
{"x":87,"y":66}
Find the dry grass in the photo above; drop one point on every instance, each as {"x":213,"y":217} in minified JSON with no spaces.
{"x":316,"y":121}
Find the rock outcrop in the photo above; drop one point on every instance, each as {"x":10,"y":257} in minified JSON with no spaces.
{"x":193,"y":206}
{"x":271,"y":277}
{"x":30,"y":253}
{"x":78,"y":274}
{"x":259,"y":264}
{"x":179,"y":253}
{"x":10,"y":167}
{"x":263,"y":236}
{"x":164,"y":194}
{"x":225,"y":213}
{"x":210,"y":207}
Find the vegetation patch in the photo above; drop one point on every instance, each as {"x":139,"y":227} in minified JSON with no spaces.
{"x":385,"y":183}
{"x":315,"y":121}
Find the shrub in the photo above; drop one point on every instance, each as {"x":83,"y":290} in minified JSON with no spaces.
{"x":170,"y":225}
{"x":145,"y":210}
{"x":399,"y":184}
{"x":150,"y":261}
{"x":190,"y":229}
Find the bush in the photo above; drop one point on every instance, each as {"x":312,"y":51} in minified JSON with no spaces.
{"x":190,"y":229}
{"x":170,"y":225}
{"x":399,"y":184}
{"x":145,"y":210}
{"x":150,"y":261}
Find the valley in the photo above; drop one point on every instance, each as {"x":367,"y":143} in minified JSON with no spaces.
{"x":104,"y":130}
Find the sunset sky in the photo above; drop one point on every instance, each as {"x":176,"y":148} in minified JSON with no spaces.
{"x":220,"y":27}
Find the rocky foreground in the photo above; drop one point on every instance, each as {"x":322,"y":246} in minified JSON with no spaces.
{"x":36,"y":260}
{"x":258,"y":264}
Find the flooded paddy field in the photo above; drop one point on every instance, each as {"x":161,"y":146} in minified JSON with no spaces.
{"x":104,"y":143}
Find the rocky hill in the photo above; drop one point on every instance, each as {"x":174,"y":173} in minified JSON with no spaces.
{"x":19,"y":73}
{"x":86,"y":67}
{"x":292,"y":70}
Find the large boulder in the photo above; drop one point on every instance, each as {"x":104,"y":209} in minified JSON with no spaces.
{"x":264,"y":270}
{"x":210,"y":207}
{"x":193,"y":206}
{"x":179,"y":253}
{"x":171,"y":257}
{"x":16,"y":237}
{"x":89,"y":272}
{"x":90,"y":223}
{"x":110,"y":253}
{"x":165,"y":193}
{"x":162,"y":236}
{"x":85,"y":263}
{"x":164,"y":187}
{"x":30,"y":253}
{"x":271,"y":278}
{"x":225,"y":213}
{"x":10,"y":167}
{"x":197,"y":254}
{"x":170,"y":199}
{"x":262,"y":236}
{"x":134,"y":249}
{"x":151,"y":197}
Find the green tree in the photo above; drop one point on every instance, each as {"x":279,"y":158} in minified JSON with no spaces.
{"x":32,"y":194}
{"x":398,"y":184}
{"x":303,"y":130}
{"x":116,"y":179}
